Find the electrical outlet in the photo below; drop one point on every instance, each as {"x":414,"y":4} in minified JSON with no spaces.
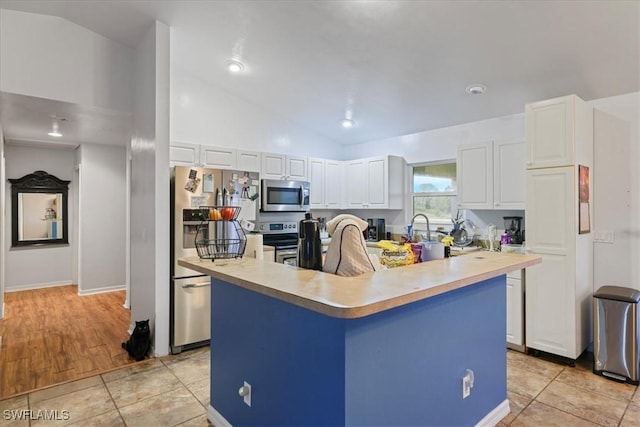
{"x":247,"y":396}
{"x":466,"y":388}
{"x":467,"y":384}
{"x":604,"y":236}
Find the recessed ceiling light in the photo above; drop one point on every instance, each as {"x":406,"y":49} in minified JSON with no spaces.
{"x":54,"y":130}
{"x":347,"y":123}
{"x":235,"y":66}
{"x":476,"y":89}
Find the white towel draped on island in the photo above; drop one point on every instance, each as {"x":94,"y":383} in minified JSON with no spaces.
{"x":347,"y":253}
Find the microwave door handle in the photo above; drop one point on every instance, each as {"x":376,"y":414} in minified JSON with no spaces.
{"x":301,"y":195}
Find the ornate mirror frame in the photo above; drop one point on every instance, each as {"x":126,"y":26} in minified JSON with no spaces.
{"x":43,"y":183}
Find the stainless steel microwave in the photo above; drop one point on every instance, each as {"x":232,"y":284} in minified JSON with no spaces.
{"x":284,"y":196}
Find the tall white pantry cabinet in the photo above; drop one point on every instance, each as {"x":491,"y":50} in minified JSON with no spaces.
{"x":559,"y":138}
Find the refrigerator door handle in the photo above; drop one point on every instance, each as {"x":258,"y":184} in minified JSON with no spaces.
{"x":196,"y":285}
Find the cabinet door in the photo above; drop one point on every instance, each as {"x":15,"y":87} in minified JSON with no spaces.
{"x":296,"y":168}
{"x":184,"y":154}
{"x":551,"y":210}
{"x":474,"y":171}
{"x":551,"y":286}
{"x":515,"y":312}
{"x":509,"y":164}
{"x":248,"y":161}
{"x":355,"y":183}
{"x":317,"y":180}
{"x":333,"y":184}
{"x":273,"y":166}
{"x":377,"y":179}
{"x":551,"y":306}
{"x":550,"y":132}
{"x":218,"y":157}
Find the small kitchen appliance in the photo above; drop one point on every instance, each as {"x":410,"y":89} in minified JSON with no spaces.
{"x":376,"y":230}
{"x":284,"y":196}
{"x":512,"y":227}
{"x":309,"y":244}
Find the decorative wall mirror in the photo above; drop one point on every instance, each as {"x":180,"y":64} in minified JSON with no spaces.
{"x":39,"y":210}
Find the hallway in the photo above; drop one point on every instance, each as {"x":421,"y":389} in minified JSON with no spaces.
{"x":52,"y":335}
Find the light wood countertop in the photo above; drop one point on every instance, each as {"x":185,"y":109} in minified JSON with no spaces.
{"x":369,"y":293}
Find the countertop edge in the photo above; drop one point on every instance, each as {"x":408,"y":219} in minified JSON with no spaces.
{"x":300,"y":294}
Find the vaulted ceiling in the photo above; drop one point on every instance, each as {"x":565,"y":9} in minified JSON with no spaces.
{"x":394,"y":67}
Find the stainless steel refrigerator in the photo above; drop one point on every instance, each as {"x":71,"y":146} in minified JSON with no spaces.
{"x":190,"y":299}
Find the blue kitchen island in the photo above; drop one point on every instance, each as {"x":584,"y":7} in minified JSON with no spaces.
{"x":384,"y":348}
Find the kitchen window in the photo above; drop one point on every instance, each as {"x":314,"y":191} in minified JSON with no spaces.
{"x":434,"y":191}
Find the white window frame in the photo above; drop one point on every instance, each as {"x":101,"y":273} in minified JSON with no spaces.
{"x":433,"y":222}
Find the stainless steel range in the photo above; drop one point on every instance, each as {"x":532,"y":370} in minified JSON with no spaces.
{"x":283,"y":236}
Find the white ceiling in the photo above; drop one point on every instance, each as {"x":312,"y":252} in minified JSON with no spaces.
{"x":397,"y":67}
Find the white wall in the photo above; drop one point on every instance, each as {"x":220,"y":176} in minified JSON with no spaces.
{"x":440,"y":144}
{"x":149,"y":187}
{"x":37,"y":266}
{"x":103,"y":197}
{"x":50,"y":57}
{"x":617,"y":189}
{"x":3,"y":180}
{"x":205,"y":114}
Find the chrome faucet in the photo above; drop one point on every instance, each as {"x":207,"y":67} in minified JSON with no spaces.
{"x":413,"y":230}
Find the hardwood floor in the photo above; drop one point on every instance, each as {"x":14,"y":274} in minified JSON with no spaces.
{"x":52,"y":335}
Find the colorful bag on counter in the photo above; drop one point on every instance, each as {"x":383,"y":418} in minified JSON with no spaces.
{"x":394,"y":255}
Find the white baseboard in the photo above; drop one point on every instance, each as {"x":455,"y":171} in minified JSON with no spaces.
{"x":101,"y":290}
{"x":491,"y":419}
{"x":496,"y":415}
{"x":216,"y":418}
{"x":31,"y":286}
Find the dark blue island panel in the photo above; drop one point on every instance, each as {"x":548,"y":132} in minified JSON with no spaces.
{"x":402,"y":366}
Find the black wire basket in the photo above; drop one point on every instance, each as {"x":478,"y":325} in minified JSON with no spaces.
{"x":218,"y":237}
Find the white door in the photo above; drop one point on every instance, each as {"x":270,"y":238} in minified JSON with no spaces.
{"x":550,"y":132}
{"x":184,"y":154}
{"x":248,"y":161}
{"x":333,"y":184}
{"x":316,"y":178}
{"x":273,"y":166}
{"x":509,"y":166}
{"x":355,"y":184}
{"x":218,"y":157}
{"x":474,"y":171}
{"x":551,"y":293}
{"x":377,"y":184}
{"x":515,"y":311}
{"x":296,"y":168}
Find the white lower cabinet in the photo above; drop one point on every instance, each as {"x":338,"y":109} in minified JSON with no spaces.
{"x":515,"y":310}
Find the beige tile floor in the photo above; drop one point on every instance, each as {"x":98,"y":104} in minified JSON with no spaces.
{"x":174,"y":391}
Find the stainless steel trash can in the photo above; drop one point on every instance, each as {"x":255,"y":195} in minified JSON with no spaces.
{"x":615,"y":333}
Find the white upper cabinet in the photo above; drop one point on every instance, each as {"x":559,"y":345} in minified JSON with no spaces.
{"x":209,"y":156}
{"x":374,"y":183}
{"x":474,"y":172}
{"x":333,"y":171}
{"x":217,"y":157}
{"x":280,"y":166}
{"x":491,"y":175}
{"x":316,"y":178}
{"x":326,"y":183}
{"x":509,"y":174}
{"x":184,"y":154}
{"x":559,"y":132}
{"x":248,"y":161}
